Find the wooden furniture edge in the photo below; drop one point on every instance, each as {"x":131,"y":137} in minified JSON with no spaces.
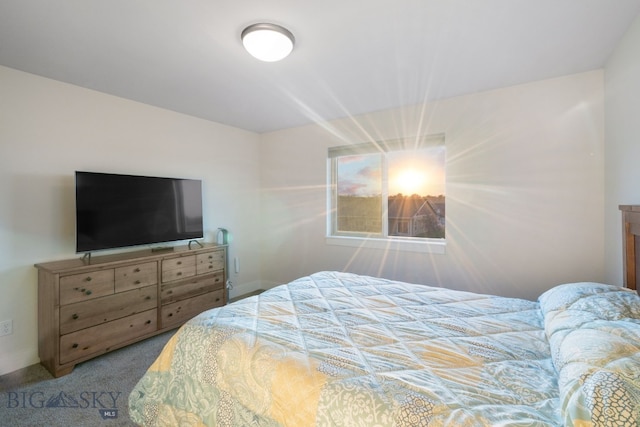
{"x":108,"y":261}
{"x":630,"y":232}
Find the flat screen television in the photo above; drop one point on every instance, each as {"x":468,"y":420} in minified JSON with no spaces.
{"x":116,"y":211}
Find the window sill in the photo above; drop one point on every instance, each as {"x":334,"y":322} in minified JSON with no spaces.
{"x":407,"y":245}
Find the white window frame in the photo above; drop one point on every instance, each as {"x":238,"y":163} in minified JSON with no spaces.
{"x":383,"y":240}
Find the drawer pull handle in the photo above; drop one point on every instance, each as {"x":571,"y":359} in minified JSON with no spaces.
{"x":217,"y":299}
{"x":74,"y":317}
{"x":88,"y":292}
{"x":88,"y":279}
{"x":210,"y":266}
{"x":210,"y":256}
{"x":75,"y":345}
{"x":179,"y":262}
{"x":179,"y":273}
{"x":148,"y":297}
{"x":137,"y":270}
{"x":137,"y":282}
{"x":148,"y":322}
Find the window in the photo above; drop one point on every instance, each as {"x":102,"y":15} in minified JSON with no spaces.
{"x":388,"y":190}
{"x":402,"y":227}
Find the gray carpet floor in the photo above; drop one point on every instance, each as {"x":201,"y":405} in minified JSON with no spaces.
{"x":96,"y":393}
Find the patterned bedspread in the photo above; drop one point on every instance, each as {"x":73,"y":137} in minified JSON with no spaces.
{"x":342,"y":349}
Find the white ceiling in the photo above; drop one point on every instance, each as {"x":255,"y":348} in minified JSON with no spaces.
{"x":351,"y":56}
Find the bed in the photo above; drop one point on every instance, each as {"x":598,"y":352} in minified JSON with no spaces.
{"x":343,"y":349}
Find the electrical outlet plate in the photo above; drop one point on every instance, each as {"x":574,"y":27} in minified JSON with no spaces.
{"x":6,"y":327}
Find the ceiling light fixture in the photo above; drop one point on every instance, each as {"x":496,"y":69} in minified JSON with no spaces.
{"x":267,"y":42}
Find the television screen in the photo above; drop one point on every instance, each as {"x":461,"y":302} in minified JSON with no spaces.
{"x":114,"y":211}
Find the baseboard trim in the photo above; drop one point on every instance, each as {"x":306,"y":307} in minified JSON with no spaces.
{"x":243,"y":296}
{"x":245,"y":288}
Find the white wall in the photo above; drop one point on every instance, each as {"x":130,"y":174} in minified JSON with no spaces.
{"x":525,"y":177}
{"x":622,"y":148}
{"x":525,"y":195}
{"x":49,"y":129}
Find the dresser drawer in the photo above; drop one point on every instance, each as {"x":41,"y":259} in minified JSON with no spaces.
{"x":86,"y":286}
{"x":81,"y":315}
{"x":172,"y":292}
{"x":209,"y":262}
{"x":101,"y":338}
{"x":136,"y":276}
{"x":178,"y":268}
{"x":181,"y":311}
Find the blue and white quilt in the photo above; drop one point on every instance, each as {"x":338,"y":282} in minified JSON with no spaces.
{"x":339,"y":349}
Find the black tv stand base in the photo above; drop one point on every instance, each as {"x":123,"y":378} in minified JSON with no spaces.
{"x":162,"y":249}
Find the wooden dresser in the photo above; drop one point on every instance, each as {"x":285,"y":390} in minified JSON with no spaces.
{"x":86,"y":309}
